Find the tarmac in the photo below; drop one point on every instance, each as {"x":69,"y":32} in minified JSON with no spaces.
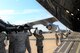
{"x":71,"y":44}
{"x":49,"y":43}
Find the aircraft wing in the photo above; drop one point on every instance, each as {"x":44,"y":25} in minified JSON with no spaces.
{"x":43,"y":22}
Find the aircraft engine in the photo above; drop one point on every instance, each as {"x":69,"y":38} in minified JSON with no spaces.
{"x":51,"y":27}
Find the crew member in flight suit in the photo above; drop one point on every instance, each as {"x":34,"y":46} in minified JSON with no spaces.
{"x":39,"y":40}
{"x":2,"y":44}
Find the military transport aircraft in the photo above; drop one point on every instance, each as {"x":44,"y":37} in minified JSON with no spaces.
{"x":48,"y":23}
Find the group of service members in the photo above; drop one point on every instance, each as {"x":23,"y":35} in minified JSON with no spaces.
{"x":19,"y":41}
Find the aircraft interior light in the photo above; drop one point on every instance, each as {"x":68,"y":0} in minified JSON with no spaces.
{"x":72,"y":14}
{"x":67,"y":11}
{"x":78,"y":9}
{"x":78,"y":18}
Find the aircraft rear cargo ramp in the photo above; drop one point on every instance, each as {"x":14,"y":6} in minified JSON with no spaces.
{"x":70,"y":45}
{"x":66,"y":11}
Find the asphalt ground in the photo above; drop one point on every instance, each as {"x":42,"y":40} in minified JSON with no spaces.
{"x":49,"y":43}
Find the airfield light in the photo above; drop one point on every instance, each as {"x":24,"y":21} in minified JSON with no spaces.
{"x":67,"y":11}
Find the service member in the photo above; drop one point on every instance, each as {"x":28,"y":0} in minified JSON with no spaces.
{"x":39,"y":40}
{"x":11,"y":38}
{"x":2,"y":44}
{"x":57,"y":38}
{"x":20,"y":40}
{"x":27,"y":42}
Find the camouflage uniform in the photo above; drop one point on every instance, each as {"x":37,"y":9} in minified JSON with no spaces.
{"x":39,"y":42}
{"x":20,"y":42}
{"x":2,"y":45}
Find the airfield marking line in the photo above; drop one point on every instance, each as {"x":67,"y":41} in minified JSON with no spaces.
{"x":62,"y":46}
{"x":78,"y":48}
{"x":68,"y":47}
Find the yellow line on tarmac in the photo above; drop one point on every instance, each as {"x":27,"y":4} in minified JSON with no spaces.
{"x":77,"y":51}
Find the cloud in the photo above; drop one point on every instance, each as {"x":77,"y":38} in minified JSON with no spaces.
{"x":7,"y":18}
{"x":18,"y":22}
{"x":27,"y":11}
{"x":6,"y":12}
{"x":14,"y":12}
{"x":4,"y":17}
